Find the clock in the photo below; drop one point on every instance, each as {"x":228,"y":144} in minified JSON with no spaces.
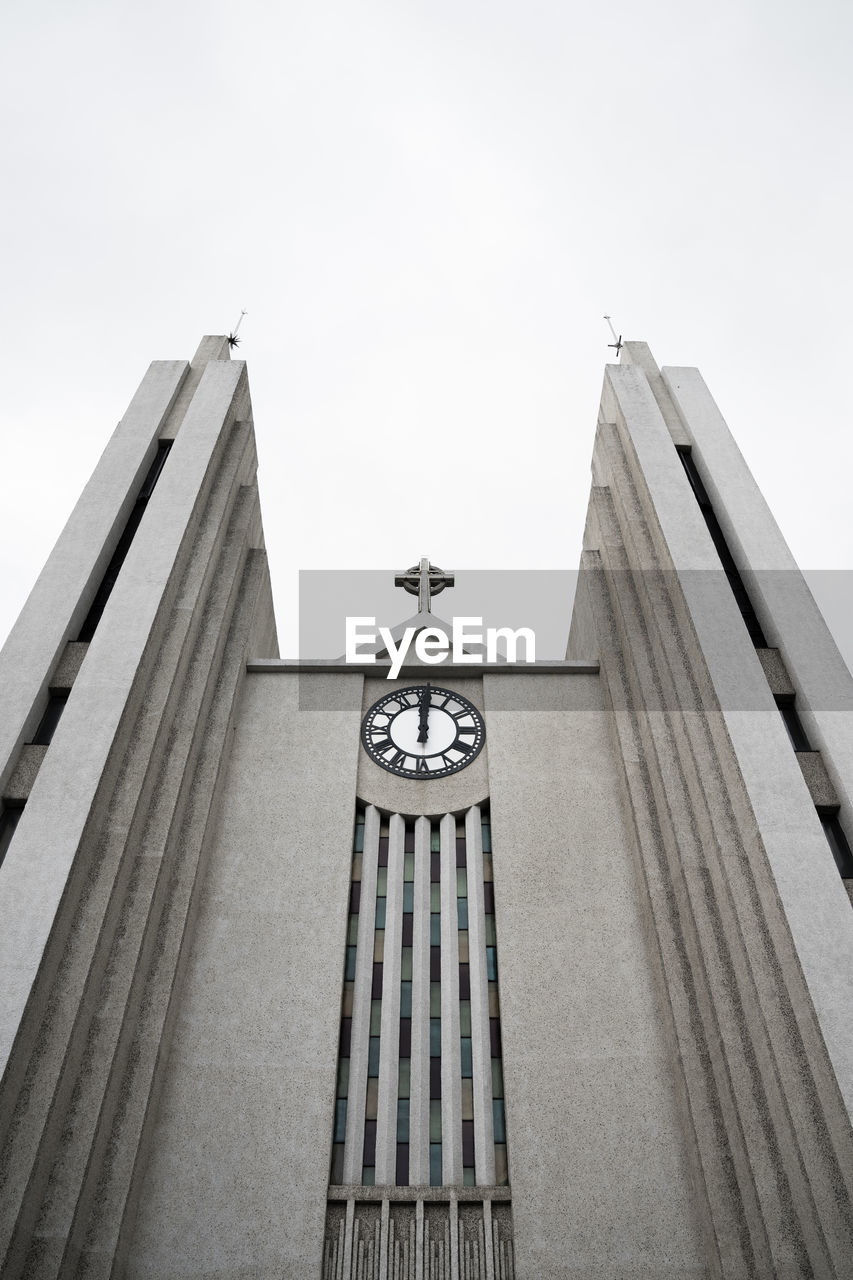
{"x":423,"y":732}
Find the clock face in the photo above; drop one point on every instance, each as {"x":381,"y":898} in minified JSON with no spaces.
{"x":423,"y":732}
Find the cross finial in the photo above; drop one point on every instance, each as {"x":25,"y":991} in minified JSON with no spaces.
{"x":424,"y":580}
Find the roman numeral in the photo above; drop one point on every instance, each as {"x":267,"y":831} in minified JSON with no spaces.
{"x":421,"y":765}
{"x":396,"y":760}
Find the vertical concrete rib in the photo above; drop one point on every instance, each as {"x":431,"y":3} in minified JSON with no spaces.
{"x":451,"y":1049}
{"x":357,"y":1098}
{"x":63,"y":592}
{"x":389,"y":1042}
{"x":419,"y":1083}
{"x":481,"y":1053}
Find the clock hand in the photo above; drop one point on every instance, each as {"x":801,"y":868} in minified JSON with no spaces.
{"x":423,"y":715}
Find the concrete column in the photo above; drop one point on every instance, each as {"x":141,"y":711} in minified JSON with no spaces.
{"x":419,"y":1085}
{"x":451,"y":1050}
{"x":60,"y":599}
{"x":389,"y":1045}
{"x":803,"y":867}
{"x":36,"y":871}
{"x":481,"y":1053}
{"x":357,"y":1096}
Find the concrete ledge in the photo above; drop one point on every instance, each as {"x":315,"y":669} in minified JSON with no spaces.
{"x":440,"y":1195}
{"x":776,"y":673}
{"x":24,"y":774}
{"x":68,"y":666}
{"x":820,"y":787}
{"x":321,"y":666}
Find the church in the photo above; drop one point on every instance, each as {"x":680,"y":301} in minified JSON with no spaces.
{"x":462,"y":968}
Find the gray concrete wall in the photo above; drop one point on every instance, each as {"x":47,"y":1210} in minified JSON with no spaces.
{"x":598,"y":1166}
{"x":239,"y":1169}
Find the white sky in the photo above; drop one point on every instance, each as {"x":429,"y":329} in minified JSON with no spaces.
{"x":426,"y":208}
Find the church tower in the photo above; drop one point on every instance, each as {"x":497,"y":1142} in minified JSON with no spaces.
{"x":488,"y":971}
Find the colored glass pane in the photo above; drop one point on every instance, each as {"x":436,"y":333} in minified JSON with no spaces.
{"x":495,"y":1037}
{"x":467,"y":1070}
{"x":487,"y":837}
{"x":435,"y":1077}
{"x":352,"y":931}
{"x":492,"y":963}
{"x":402,"y":1119}
{"x":435,"y":964}
{"x":375,"y":1017}
{"x":435,"y":929}
{"x":371,"y":1101}
{"x":379,"y":944}
{"x":462,"y":938}
{"x":373,"y":1056}
{"x":346,"y":1008}
{"x":462,"y":912}
{"x":494,"y":1007}
{"x":435,"y":1121}
{"x":468,"y":1143}
{"x":409,"y":840}
{"x":465,"y":1017}
{"x":405,"y":1038}
{"x":368,"y":1176}
{"x":489,"y":898}
{"x":337,"y":1175}
{"x":342,"y":1088}
{"x":379,"y":918}
{"x":488,"y":871}
{"x":467,"y":1099}
{"x":404,"y":1078}
{"x":406,"y":964}
{"x":461,"y":882}
{"x":435,"y":1164}
{"x":356,"y":866}
{"x":340,"y":1131}
{"x":499,"y":1121}
{"x":401,"y":1173}
{"x":382,"y":882}
{"x":376,"y":986}
{"x":435,"y":897}
{"x":349,"y":966}
{"x":491,"y":932}
{"x":358,"y":837}
{"x":434,"y":999}
{"x":383,"y":851}
{"x":464,"y":982}
{"x":405,"y":999}
{"x":355,"y":898}
{"x":468,"y":1177}
{"x":408,"y":896}
{"x":501,"y":1172}
{"x":346,"y":1036}
{"x":435,"y":1037}
{"x":407,"y":933}
{"x":408,"y":866}
{"x":435,"y":840}
{"x":497,"y":1078}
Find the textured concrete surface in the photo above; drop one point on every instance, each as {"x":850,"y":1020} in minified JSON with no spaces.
{"x":240,"y":1165}
{"x":598,"y":1171}
{"x":805,"y":872}
{"x":60,"y":598}
{"x":818,"y":781}
{"x":25,"y":772}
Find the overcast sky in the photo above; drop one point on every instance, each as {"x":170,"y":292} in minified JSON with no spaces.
{"x":426,"y":209}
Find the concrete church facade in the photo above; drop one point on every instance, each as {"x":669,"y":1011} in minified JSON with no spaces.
{"x":274,"y":1004}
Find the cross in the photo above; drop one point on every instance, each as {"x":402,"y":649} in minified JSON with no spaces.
{"x":424,"y":580}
